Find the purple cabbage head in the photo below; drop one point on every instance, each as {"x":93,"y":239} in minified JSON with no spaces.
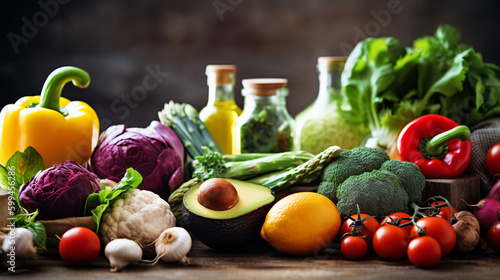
{"x":155,"y":152}
{"x":59,"y":191}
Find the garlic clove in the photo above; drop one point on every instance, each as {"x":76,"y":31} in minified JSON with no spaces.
{"x":173,"y":245}
{"x":122,"y":252}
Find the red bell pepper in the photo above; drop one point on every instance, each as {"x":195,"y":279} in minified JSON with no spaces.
{"x":437,"y":145}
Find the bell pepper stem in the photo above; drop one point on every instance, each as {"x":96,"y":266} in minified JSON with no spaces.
{"x":51,"y":91}
{"x":436,"y":145}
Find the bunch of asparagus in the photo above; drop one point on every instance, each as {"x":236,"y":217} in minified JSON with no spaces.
{"x":185,"y":122}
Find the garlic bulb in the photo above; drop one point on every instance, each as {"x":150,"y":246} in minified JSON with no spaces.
{"x":122,"y":252}
{"x":19,"y":241}
{"x":173,"y":245}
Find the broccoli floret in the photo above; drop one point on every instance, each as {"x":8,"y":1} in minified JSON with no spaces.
{"x":377,"y":193}
{"x":413,"y":181}
{"x":349,"y":163}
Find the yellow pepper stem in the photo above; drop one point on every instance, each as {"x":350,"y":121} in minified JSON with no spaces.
{"x":51,"y":91}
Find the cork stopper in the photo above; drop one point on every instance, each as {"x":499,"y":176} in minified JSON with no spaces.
{"x":263,"y":86}
{"x":331,"y":63}
{"x":221,"y":74}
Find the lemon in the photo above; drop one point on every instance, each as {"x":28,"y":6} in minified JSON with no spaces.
{"x":301,"y":224}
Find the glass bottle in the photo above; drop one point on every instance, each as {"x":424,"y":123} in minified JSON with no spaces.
{"x":320,"y":125}
{"x":288,"y":127}
{"x":221,"y":112}
{"x":259,"y":129}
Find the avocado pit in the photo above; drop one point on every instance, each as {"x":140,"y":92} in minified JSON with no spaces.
{"x":217,"y":194}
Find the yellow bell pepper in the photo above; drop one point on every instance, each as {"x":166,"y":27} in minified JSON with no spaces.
{"x":58,"y":129}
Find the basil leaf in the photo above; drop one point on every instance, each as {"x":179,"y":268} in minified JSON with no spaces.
{"x":39,"y":234}
{"x":21,"y":167}
{"x":25,"y":165}
{"x":16,"y":163}
{"x":34,"y":164}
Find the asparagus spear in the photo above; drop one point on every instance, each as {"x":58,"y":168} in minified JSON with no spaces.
{"x":307,"y":171}
{"x":262,"y":178}
{"x":177,"y":195}
{"x":212,"y":165}
{"x":250,"y":168}
{"x":251,"y":156}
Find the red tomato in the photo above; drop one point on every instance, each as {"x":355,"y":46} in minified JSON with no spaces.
{"x":390,"y":242}
{"x":353,"y":247}
{"x":493,"y":159}
{"x":395,"y":216}
{"x":424,"y":251}
{"x":372,"y":224}
{"x":79,"y":246}
{"x":444,"y":212}
{"x":494,"y":237}
{"x":440,"y":229}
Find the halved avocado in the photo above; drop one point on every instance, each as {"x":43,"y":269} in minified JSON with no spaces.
{"x":232,"y":229}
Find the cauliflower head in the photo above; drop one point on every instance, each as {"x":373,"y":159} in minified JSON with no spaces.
{"x":140,"y":215}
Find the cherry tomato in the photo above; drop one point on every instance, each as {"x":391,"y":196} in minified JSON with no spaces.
{"x":353,"y":247}
{"x":494,"y":237}
{"x":390,"y":242}
{"x":493,"y":159}
{"x":79,"y":246}
{"x":440,"y":229}
{"x":395,"y":216}
{"x":372,"y":224}
{"x":444,"y":212}
{"x":424,"y":251}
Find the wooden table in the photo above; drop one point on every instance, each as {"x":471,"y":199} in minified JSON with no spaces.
{"x":261,"y":261}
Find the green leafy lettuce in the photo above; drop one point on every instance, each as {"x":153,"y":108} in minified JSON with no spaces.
{"x":98,"y":203}
{"x":388,"y":85}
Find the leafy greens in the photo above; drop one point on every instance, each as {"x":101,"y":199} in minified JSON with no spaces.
{"x":98,"y":203}
{"x":388,"y":85}
{"x":18,"y":170}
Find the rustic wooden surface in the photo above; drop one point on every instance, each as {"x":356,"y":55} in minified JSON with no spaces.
{"x":460,"y":191}
{"x":261,"y":261}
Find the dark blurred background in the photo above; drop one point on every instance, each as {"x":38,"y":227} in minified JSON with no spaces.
{"x":120,"y":43}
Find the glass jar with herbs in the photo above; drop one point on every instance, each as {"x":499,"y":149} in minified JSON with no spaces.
{"x":262,"y":127}
{"x":288,"y":126}
{"x":320,"y":125}
{"x":221,"y":112}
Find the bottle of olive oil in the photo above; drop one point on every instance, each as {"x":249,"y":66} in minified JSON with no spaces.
{"x":221,"y":112}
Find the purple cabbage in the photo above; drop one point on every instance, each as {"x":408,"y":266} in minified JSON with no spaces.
{"x":59,"y":191}
{"x":155,"y":152}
